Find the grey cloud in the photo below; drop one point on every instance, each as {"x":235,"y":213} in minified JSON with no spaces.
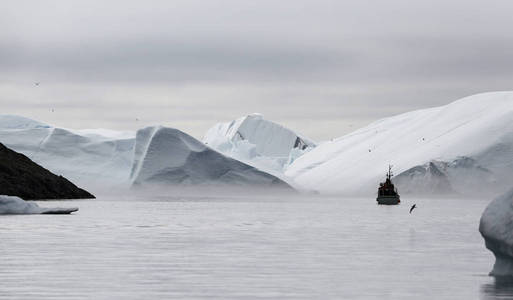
{"x":191,"y":63}
{"x":399,"y":58}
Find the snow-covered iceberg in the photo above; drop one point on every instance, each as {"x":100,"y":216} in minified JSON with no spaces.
{"x":90,"y":158}
{"x":479,"y":128}
{"x":258,"y":142}
{"x":496,"y":227}
{"x":19,"y":122}
{"x":11,"y":205}
{"x":463,"y":176}
{"x":169,"y":156}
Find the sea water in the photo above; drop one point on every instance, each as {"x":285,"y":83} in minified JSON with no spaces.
{"x":248,"y":247}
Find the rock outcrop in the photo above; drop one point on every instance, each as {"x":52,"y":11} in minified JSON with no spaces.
{"x":20,"y":176}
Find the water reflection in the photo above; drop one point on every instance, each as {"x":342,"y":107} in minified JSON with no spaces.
{"x":500,"y":288}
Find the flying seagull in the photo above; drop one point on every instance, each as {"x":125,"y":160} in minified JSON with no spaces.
{"x":36,"y":83}
{"x":413,"y":207}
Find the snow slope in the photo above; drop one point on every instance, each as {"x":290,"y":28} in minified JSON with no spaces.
{"x":169,"y":156}
{"x":88,"y":158}
{"x":496,"y":227}
{"x":19,"y":122}
{"x":478,"y":128}
{"x":11,"y":205}
{"x":258,"y":142}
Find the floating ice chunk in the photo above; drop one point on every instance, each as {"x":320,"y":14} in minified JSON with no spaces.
{"x":496,"y":227}
{"x":10,"y":205}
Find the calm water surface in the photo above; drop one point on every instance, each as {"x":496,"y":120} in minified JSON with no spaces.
{"x":252,"y":247}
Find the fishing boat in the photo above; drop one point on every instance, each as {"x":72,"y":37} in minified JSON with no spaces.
{"x":387,"y":193}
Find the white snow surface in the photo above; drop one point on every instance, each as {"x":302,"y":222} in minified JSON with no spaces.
{"x":478,"y":127}
{"x":496,"y":227}
{"x":169,"y":156}
{"x":105,"y":134}
{"x":19,"y":122}
{"x":11,"y":205}
{"x":89,"y":158}
{"x":258,"y":142}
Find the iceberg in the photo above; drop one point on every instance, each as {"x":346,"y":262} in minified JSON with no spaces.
{"x":169,"y":156}
{"x":258,"y":142}
{"x":496,"y":227}
{"x":11,"y":205}
{"x":478,"y":128}
{"x":19,"y":122}
{"x":90,"y":158}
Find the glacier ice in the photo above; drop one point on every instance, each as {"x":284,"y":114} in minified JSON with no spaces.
{"x":90,"y":158}
{"x":444,"y":149}
{"x":478,"y":127}
{"x":496,"y":227}
{"x":100,"y":158}
{"x":169,"y":156}
{"x":258,"y":142}
{"x":19,"y":122}
{"x":11,"y":205}
{"x":462,"y":176}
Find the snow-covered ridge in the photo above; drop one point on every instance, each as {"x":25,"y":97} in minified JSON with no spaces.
{"x":462,"y":176}
{"x":478,"y":127}
{"x":258,"y":142}
{"x":169,"y":156}
{"x":19,"y":122}
{"x":105,"y":134}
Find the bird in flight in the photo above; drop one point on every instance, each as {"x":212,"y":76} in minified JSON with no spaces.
{"x":36,"y":83}
{"x":413,"y":207}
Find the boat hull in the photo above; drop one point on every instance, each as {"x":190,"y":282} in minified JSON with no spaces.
{"x":388,"y":200}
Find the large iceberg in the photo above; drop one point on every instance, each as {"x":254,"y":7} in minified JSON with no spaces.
{"x":90,"y":158}
{"x":478,"y":128}
{"x":11,"y":205}
{"x":258,"y":142}
{"x":169,"y":156}
{"x":496,"y":227}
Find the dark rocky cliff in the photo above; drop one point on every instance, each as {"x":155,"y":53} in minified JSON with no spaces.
{"x":20,"y":176}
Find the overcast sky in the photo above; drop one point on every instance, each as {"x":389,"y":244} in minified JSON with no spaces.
{"x":323,"y":68}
